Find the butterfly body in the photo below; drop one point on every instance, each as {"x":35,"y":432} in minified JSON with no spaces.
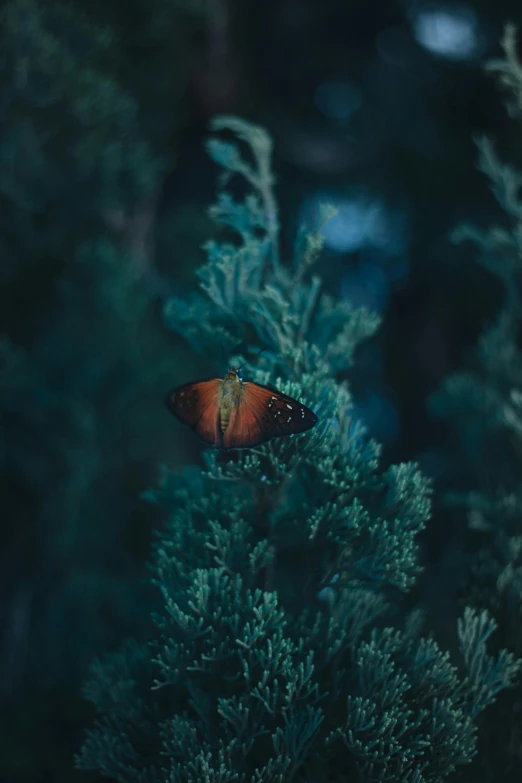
{"x":229,"y":413}
{"x":230,"y":394}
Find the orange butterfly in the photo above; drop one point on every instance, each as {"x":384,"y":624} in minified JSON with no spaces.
{"x":231,"y":414}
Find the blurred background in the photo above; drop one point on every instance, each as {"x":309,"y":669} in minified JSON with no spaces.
{"x":104,"y":187}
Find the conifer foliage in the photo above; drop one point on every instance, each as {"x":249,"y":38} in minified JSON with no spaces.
{"x":80,"y":349}
{"x":484,"y":400}
{"x":275,"y":657}
{"x":483,"y":403}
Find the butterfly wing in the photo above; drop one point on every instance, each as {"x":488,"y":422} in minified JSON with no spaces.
{"x":265,"y":413}
{"x":197,"y":405}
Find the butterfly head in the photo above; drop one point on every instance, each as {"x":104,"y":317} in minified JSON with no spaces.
{"x":234,"y":374}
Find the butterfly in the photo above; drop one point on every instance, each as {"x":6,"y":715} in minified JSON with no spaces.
{"x":230,"y":413}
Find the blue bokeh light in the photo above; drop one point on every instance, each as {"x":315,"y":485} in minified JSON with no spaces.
{"x":362,"y":220}
{"x":447,"y":30}
{"x":379,"y":234}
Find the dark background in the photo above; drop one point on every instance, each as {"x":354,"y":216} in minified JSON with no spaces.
{"x":372,"y":106}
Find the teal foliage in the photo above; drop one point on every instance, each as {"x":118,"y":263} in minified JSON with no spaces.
{"x":71,"y":129}
{"x":65,"y":406}
{"x":483,"y":400}
{"x":85,"y":143}
{"x":153,"y":54}
{"x":82,"y":353}
{"x":289,"y":316}
{"x":280,"y":568}
{"x":483,"y":403}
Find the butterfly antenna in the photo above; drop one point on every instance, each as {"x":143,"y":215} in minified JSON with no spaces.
{"x":255,"y":356}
